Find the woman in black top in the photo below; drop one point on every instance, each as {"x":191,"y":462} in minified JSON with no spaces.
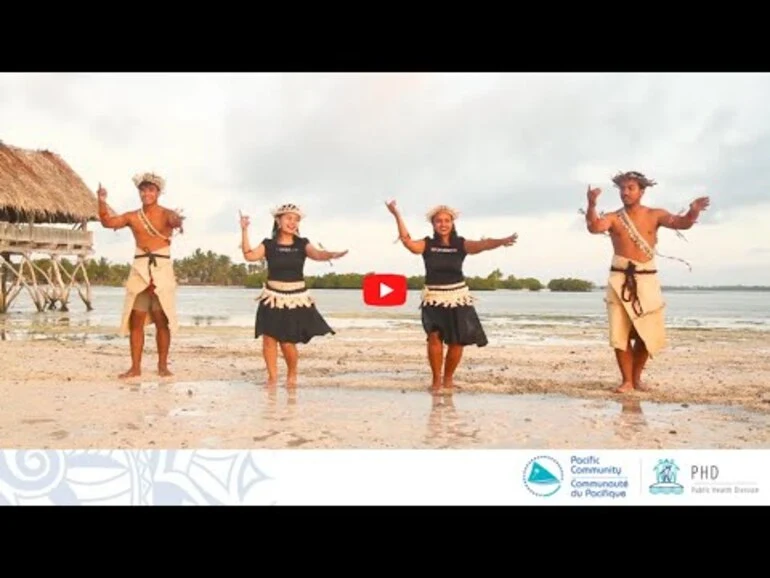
{"x":448,"y":313}
{"x":286,"y":314}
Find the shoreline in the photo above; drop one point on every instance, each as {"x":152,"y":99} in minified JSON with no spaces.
{"x":369,"y":390}
{"x":575,"y":362}
{"x":598,"y":287}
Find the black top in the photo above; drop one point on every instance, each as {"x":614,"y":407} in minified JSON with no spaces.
{"x":285,"y":262}
{"x":444,"y":263}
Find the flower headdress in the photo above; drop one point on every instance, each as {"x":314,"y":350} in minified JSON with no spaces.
{"x":151,"y":178}
{"x":287,"y":208}
{"x":442,"y":209}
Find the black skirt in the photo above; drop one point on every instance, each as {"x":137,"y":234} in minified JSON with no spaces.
{"x":290,"y":325}
{"x":455,"y":325}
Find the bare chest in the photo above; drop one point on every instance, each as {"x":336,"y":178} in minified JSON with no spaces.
{"x":646,"y":228}
{"x":152,"y":224}
{"x":639,"y":230}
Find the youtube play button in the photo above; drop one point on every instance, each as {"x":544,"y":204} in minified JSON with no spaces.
{"x":384,"y":290}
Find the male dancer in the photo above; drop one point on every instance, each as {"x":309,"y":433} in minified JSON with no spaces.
{"x":151,"y":285}
{"x":635,"y":305}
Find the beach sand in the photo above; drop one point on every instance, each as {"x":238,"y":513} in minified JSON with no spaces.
{"x":366,"y":388}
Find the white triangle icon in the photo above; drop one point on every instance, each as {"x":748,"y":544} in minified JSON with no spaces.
{"x":385,"y":290}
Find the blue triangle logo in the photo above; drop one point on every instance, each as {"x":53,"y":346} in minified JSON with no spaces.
{"x":541,"y":475}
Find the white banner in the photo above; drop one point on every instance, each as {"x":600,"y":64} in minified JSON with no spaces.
{"x":383,"y":477}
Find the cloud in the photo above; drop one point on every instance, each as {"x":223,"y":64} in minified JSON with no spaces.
{"x":513,"y":152}
{"x":518,"y":144}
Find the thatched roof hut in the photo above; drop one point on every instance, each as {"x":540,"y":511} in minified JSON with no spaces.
{"x":38,"y":186}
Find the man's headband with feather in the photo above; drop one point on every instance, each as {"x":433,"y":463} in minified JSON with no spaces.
{"x":643,"y":181}
{"x":141,"y":178}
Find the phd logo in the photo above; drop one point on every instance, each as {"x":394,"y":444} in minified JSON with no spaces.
{"x":543,"y":476}
{"x":665,"y":474}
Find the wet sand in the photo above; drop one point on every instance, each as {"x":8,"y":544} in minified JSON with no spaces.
{"x":366,"y":389}
{"x":243,"y":415}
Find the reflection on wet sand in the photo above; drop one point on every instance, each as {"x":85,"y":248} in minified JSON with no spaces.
{"x":209,"y":320}
{"x":446,"y":426}
{"x":272,"y":410}
{"x":44,"y":326}
{"x":631,"y":420}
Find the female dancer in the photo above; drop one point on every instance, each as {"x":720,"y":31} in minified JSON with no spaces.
{"x":286,"y":314}
{"x":448,"y":314}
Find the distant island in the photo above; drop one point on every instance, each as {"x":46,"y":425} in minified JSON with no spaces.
{"x":212,"y":269}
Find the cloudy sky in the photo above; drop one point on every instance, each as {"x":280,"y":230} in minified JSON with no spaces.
{"x":513,"y":152}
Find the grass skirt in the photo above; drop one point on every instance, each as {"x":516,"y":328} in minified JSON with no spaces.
{"x":449,"y":310}
{"x":287,"y":313}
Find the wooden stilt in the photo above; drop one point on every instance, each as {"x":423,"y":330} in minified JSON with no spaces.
{"x":4,"y":283}
{"x":46,"y":288}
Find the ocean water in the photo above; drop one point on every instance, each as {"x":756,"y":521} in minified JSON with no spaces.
{"x":507,"y":315}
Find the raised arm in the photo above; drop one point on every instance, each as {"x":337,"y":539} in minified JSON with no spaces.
{"x":417,"y":247}
{"x":686,"y":221}
{"x":594,"y":223}
{"x":107,"y":217}
{"x":473,"y":247}
{"x":321,"y":254}
{"x":256,"y":254}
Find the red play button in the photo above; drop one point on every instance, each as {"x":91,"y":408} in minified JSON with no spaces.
{"x":384,"y":290}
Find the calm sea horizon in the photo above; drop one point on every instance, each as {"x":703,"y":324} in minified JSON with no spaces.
{"x":505,"y":313}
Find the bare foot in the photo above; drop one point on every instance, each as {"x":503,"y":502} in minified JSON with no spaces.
{"x":639,"y":386}
{"x":130,"y":373}
{"x":164,"y":372}
{"x":291,"y":381}
{"x":271,"y":382}
{"x":435,"y":387}
{"x":449,"y":386}
{"x":625,"y":387}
